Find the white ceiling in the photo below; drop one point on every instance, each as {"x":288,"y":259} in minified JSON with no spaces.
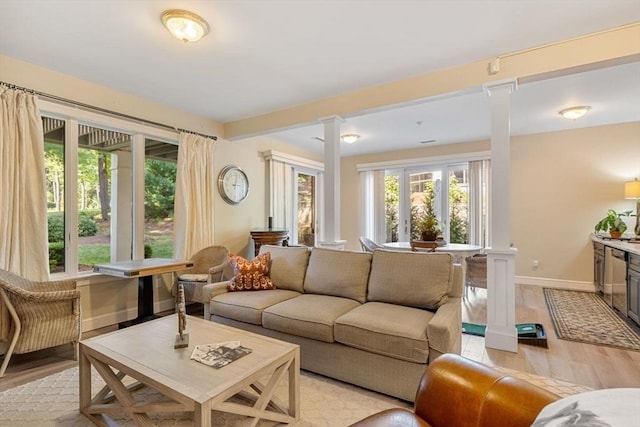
{"x":266,"y":55}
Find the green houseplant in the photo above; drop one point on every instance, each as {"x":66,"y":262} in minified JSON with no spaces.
{"x":613,"y":223}
{"x":427,"y":224}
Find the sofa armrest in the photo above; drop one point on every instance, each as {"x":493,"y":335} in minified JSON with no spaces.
{"x":444,"y":331}
{"x":209,"y":291}
{"x":462,"y":392}
{"x":457,"y":286}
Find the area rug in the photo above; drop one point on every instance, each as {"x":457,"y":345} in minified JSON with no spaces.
{"x":585,"y":317}
{"x":53,"y":401}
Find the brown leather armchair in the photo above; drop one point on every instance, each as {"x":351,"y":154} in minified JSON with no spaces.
{"x":458,"y":392}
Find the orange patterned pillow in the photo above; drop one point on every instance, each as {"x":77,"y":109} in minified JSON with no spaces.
{"x":250,"y":275}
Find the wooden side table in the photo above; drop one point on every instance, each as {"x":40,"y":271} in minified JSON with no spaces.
{"x":268,"y":237}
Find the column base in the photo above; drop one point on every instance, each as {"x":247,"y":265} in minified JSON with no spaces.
{"x":506,"y":340}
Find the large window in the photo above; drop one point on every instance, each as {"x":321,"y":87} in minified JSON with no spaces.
{"x":92,"y":172}
{"x":159,"y":194}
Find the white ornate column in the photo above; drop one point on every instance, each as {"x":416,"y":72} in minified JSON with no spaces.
{"x":501,"y":330}
{"x":330,"y":233}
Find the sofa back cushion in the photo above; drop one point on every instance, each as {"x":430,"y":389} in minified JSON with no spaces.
{"x":338,"y":273}
{"x":410,"y":278}
{"x":288,"y":266}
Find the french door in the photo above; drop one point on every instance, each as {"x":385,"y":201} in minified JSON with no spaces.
{"x":410,"y":192}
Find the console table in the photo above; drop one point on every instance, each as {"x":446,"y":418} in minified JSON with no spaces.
{"x":143,"y":270}
{"x":268,"y":237}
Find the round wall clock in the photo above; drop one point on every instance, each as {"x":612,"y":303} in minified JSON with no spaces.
{"x":233,"y":184}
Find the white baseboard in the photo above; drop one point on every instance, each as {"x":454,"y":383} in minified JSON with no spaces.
{"x":573,"y":285}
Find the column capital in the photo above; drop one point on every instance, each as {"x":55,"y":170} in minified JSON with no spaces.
{"x":510,"y":84}
{"x":331,"y":119}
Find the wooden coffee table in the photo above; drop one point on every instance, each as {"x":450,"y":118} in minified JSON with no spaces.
{"x":145,"y":353}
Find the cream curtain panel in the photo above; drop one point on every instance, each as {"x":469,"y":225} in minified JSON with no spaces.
{"x":23,"y":206}
{"x":195,"y":189}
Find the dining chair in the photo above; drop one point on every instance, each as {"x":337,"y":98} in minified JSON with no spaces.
{"x":416,"y":245}
{"x":369,"y":245}
{"x":476,"y":272}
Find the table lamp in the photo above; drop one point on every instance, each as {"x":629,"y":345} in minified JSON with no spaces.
{"x":632,"y":191}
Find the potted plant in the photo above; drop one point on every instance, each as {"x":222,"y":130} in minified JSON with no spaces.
{"x":428,"y":226}
{"x":613,"y":223}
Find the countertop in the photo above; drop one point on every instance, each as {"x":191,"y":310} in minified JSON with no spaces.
{"x":633,"y":248}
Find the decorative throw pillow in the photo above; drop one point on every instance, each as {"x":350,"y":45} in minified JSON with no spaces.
{"x":250,"y":275}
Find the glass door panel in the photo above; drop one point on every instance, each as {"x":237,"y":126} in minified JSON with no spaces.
{"x":306,"y":195}
{"x":425,"y":204}
{"x":458,"y":205}
{"x":392,"y":207}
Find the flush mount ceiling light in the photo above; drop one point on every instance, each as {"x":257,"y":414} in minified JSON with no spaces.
{"x":574,"y":113}
{"x":350,"y":138}
{"x":184,"y":25}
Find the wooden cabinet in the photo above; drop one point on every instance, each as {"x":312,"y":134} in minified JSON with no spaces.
{"x":633,"y":286}
{"x":268,"y":237}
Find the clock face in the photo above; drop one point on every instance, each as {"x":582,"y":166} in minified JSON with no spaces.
{"x":233,"y":185}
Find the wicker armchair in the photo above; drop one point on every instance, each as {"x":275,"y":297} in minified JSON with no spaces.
{"x":208,"y":267}
{"x":43,"y":314}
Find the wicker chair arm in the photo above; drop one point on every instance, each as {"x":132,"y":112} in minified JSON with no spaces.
{"x":49,"y":296}
{"x":217,"y":268}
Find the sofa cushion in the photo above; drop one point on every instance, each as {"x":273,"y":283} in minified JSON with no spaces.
{"x":248,"y":306}
{"x":410,"y":278}
{"x":338,"y":273}
{"x":288,"y":266}
{"x":307,"y":315}
{"x":250,"y":275}
{"x":387,"y":329}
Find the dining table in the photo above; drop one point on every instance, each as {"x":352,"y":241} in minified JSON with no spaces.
{"x":460,"y":251}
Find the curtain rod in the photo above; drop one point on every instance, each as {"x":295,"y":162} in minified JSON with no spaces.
{"x":101,"y":110}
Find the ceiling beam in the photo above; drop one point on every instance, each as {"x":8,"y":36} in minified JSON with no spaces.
{"x":598,"y":50}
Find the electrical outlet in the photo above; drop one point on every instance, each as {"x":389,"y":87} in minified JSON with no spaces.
{"x":535,"y":264}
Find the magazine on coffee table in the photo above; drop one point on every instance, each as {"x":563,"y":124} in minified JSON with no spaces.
{"x":219,"y":354}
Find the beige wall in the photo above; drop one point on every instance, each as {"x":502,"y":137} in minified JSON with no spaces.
{"x":562,"y":183}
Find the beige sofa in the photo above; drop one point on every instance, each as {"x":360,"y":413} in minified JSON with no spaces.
{"x":373,"y":320}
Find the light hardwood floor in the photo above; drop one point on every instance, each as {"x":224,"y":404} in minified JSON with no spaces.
{"x":590,"y":365}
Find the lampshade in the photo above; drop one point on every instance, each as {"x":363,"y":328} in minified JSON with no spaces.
{"x":632,"y":189}
{"x":184,"y":25}
{"x":350,"y":138}
{"x":574,"y":113}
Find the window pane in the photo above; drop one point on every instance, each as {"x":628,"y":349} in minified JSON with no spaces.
{"x":102,"y":156}
{"x":306,"y":209}
{"x":458,"y":206}
{"x":392,"y":207}
{"x":159,"y":194}
{"x":424,"y":204}
{"x":54,"y":171}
